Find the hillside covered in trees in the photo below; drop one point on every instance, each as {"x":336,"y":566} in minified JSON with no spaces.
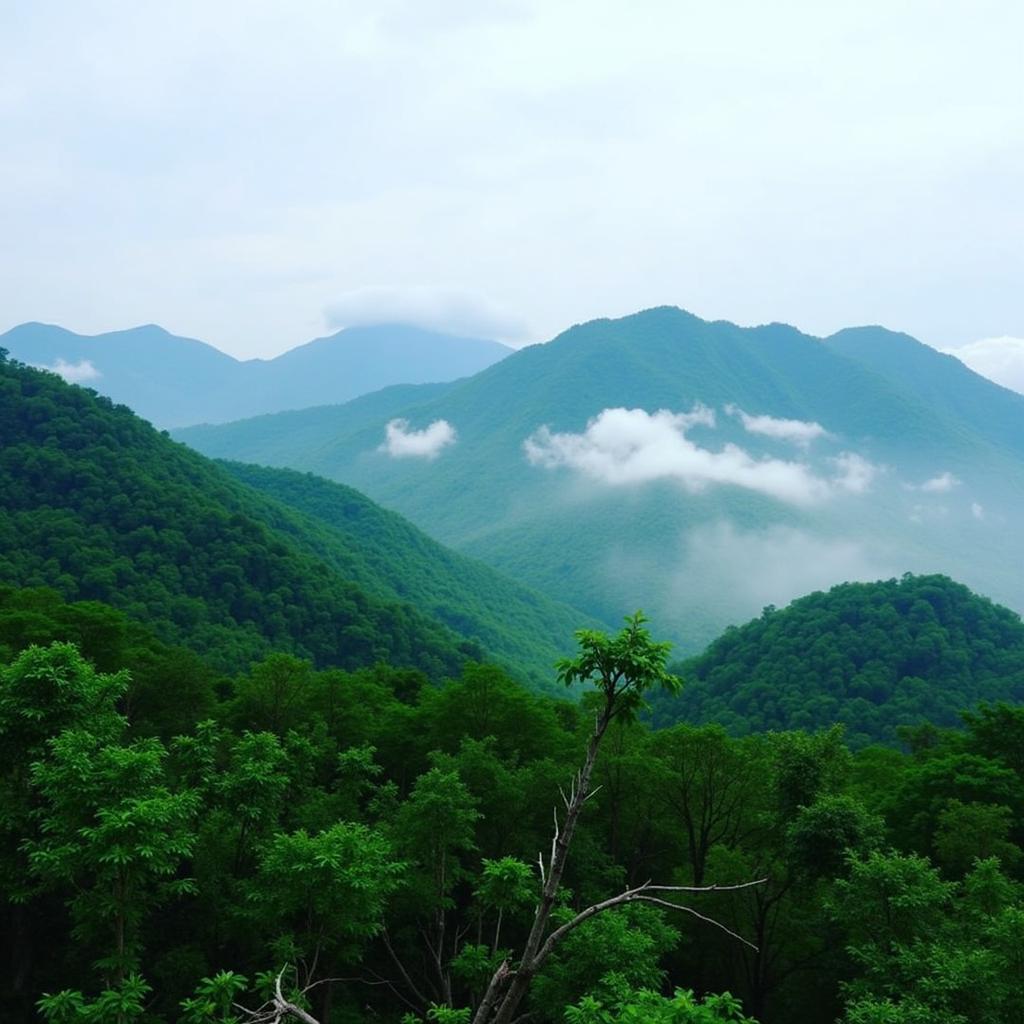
{"x":874,"y":656}
{"x":98,"y":505}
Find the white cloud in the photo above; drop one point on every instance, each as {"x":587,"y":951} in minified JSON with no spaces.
{"x":855,"y":473}
{"x":940,"y":484}
{"x":999,"y":359}
{"x":631,"y":446}
{"x":448,"y":310}
{"x":401,"y":442}
{"x":977,"y":510}
{"x":798,"y":432}
{"x":74,"y":373}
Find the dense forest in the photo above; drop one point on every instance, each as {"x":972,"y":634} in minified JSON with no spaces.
{"x":874,"y":656}
{"x":376,"y":838}
{"x":98,"y":505}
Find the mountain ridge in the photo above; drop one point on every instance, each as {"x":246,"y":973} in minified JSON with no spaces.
{"x":175,"y":381}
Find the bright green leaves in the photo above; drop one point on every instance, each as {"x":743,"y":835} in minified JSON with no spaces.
{"x":326,"y":891}
{"x":507,"y":884}
{"x":930,"y":950}
{"x":214,"y":999}
{"x":119,"y":1005}
{"x":616,"y":1001}
{"x":113,"y":830}
{"x":623,"y":667}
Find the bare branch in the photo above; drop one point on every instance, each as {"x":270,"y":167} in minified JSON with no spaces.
{"x":641,"y":892}
{"x":715,"y":887}
{"x":703,"y":917}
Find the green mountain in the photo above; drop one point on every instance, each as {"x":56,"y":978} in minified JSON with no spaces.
{"x":98,"y":505}
{"x":176,"y":381}
{"x":940,"y":381}
{"x":875,"y":656}
{"x":700,"y":523}
{"x":391,"y":559}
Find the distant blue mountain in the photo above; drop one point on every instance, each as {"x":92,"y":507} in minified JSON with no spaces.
{"x":175,"y":381}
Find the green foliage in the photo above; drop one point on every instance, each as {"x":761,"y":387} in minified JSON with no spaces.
{"x":376,"y":837}
{"x":874,"y":656}
{"x":214,"y":999}
{"x":112,"y":828}
{"x":634,"y":939}
{"x":619,"y":1002}
{"x":99,"y":506}
{"x":326,"y":891}
{"x":622,"y":667}
{"x":120,"y":1005}
{"x":928,"y":949}
{"x":391,"y":559}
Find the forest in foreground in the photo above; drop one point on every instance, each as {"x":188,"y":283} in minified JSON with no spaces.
{"x":370,"y":841}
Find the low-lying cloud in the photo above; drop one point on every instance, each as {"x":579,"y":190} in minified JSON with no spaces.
{"x":798,"y":432}
{"x":745,"y":570}
{"x":401,"y":443}
{"x":631,"y":446}
{"x":74,"y":373}
{"x":446,"y":310}
{"x":999,"y":359}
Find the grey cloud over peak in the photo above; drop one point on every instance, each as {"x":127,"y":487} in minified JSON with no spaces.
{"x":447,"y":310}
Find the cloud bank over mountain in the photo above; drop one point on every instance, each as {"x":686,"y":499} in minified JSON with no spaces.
{"x":447,"y":310}
{"x":631,"y":446}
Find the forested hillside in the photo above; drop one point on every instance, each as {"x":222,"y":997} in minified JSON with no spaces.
{"x":874,"y":656}
{"x":390,"y":558}
{"x":98,"y":505}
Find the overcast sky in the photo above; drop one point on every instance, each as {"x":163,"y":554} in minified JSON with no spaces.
{"x":257,"y":173}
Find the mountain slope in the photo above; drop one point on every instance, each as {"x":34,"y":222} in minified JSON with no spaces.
{"x":701,"y":524}
{"x":939,"y":380}
{"x":871,"y":655}
{"x":176,"y":381}
{"x":390,"y":558}
{"x":98,"y":505}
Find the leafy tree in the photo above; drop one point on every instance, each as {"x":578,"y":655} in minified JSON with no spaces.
{"x":622,"y":668}
{"x":113,"y":830}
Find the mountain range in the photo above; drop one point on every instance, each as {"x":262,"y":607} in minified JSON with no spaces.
{"x":175,"y":381}
{"x":235,"y":560}
{"x":697,"y":469}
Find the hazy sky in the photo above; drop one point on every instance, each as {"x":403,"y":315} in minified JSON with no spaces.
{"x":257,"y":173}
